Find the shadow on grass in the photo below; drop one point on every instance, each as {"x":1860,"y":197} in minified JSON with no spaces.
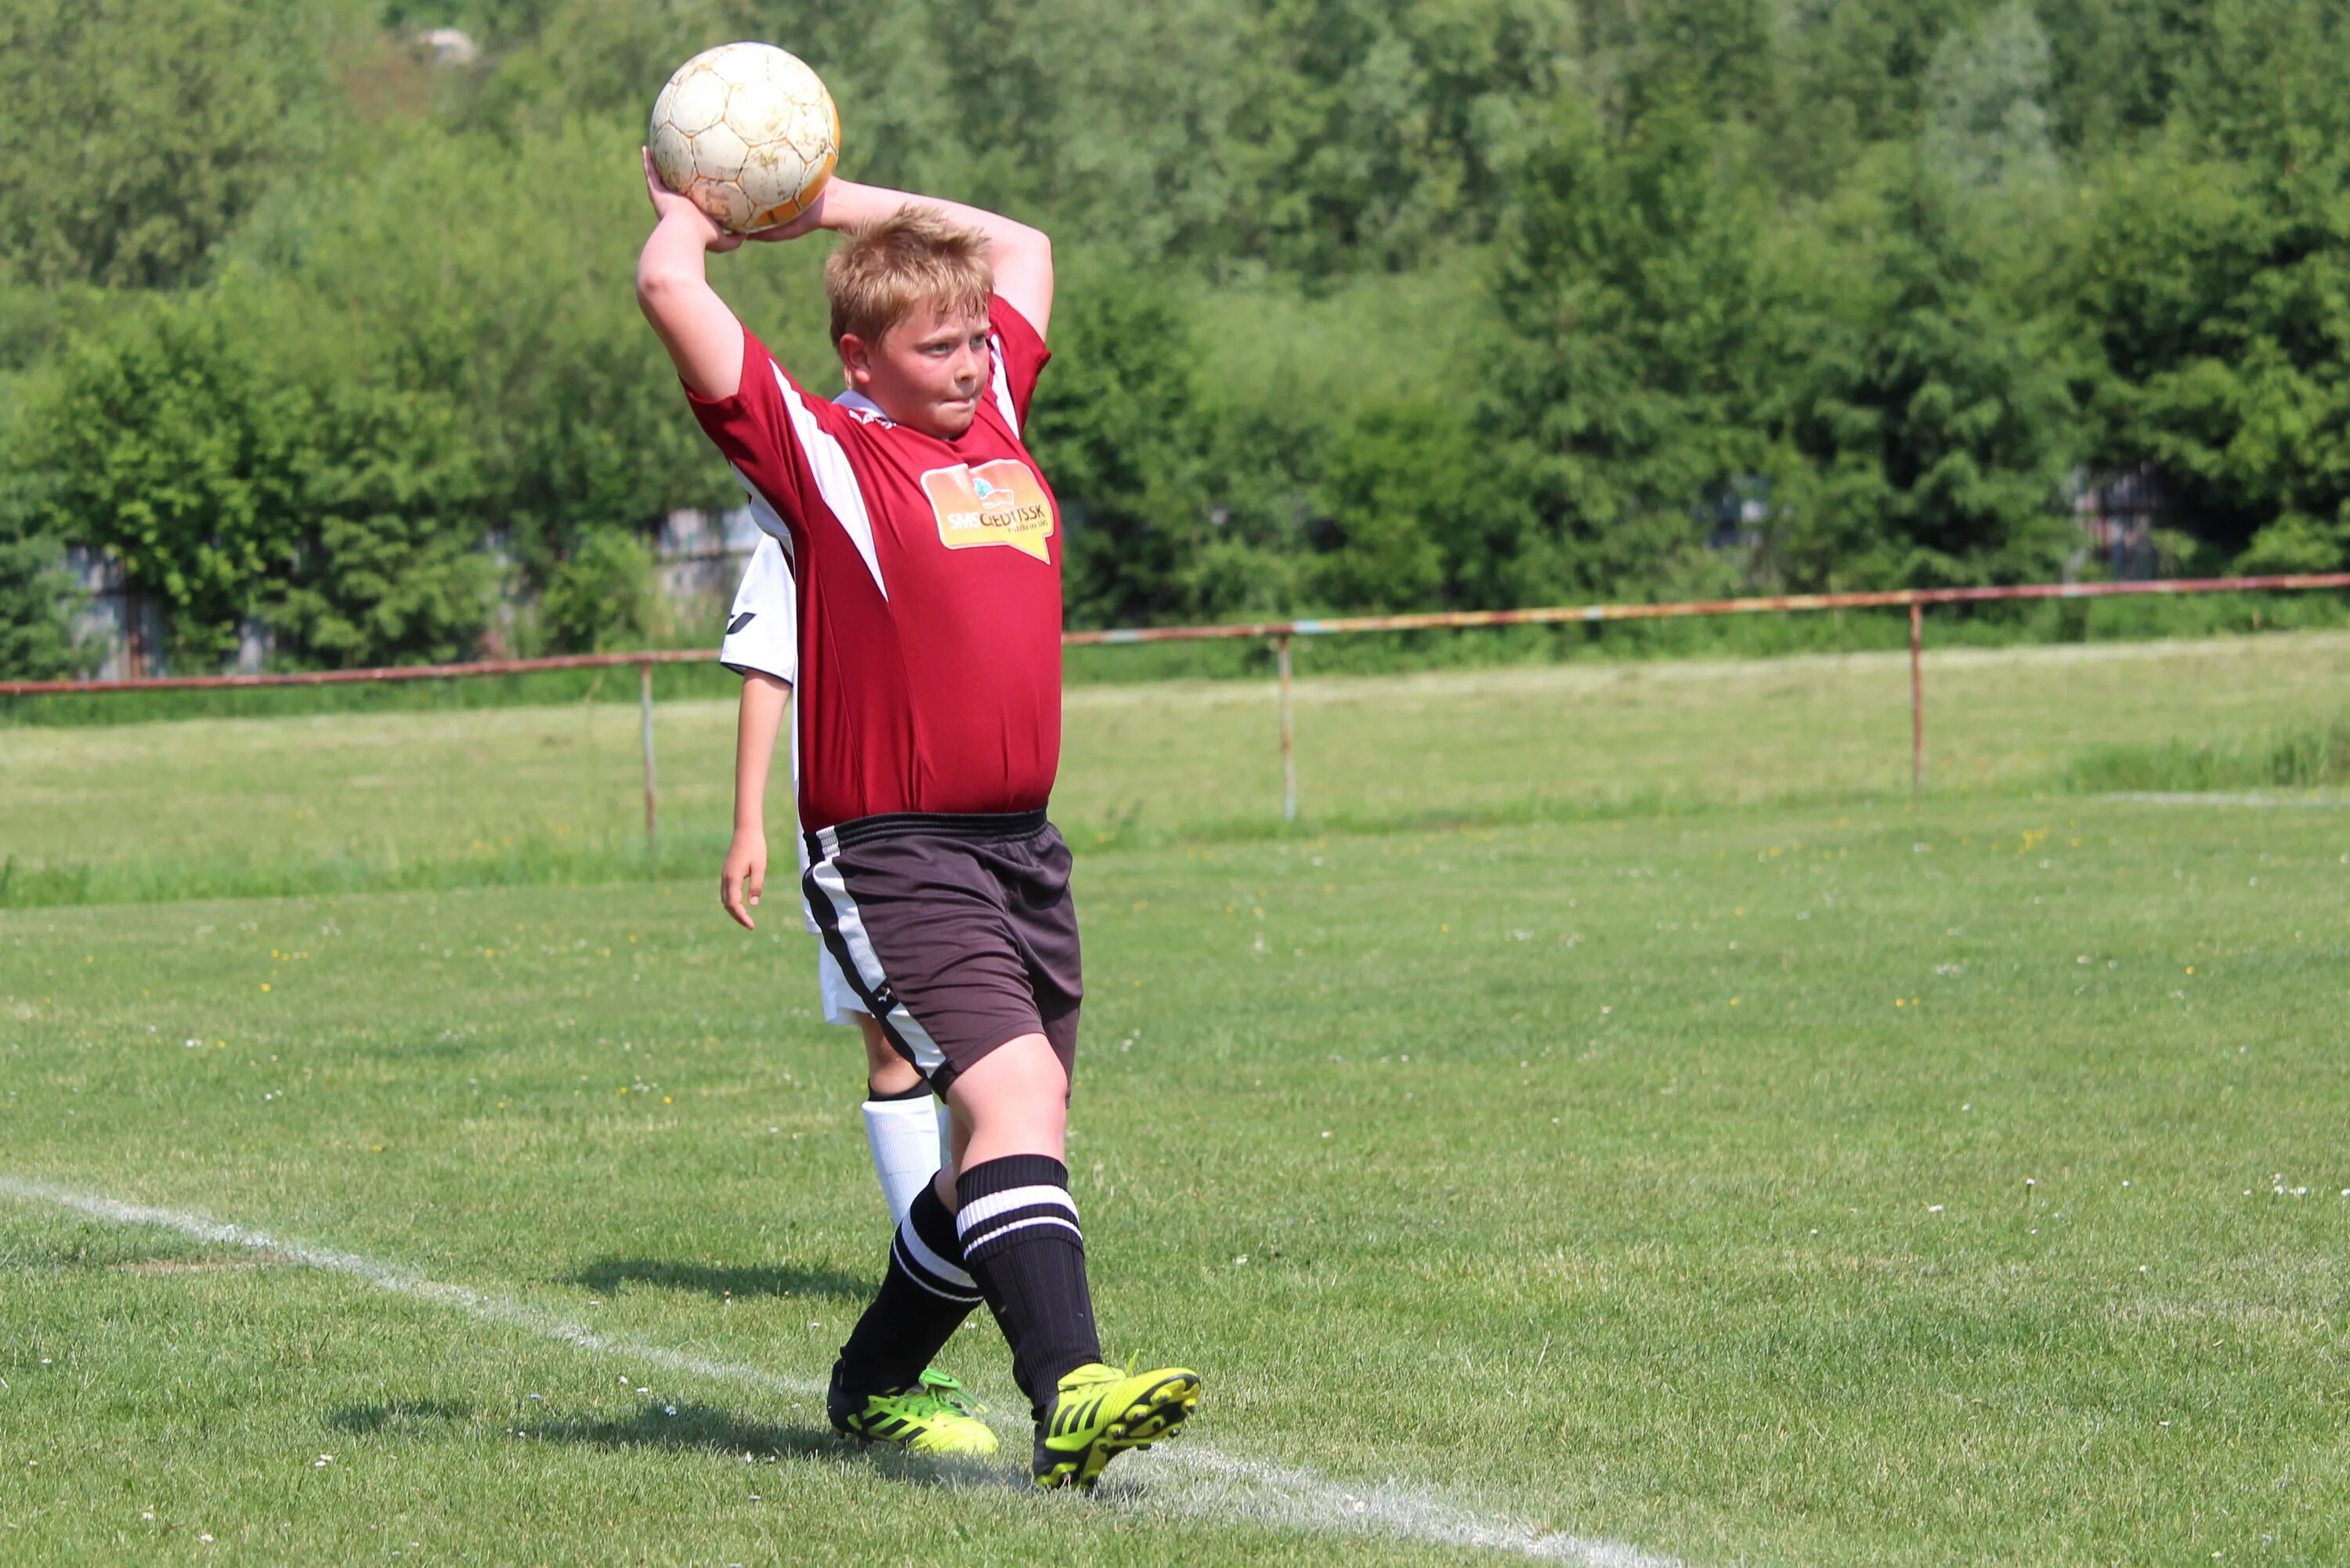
{"x":611,"y":1275}
{"x":701,"y":1429}
{"x":399,"y":1415}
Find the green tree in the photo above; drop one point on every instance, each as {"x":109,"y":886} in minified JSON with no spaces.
{"x":232,"y":488}
{"x":134,"y":135}
{"x":2219,"y":296}
{"x":1986,"y":112}
{"x":1414,"y":513}
{"x":393,"y":568}
{"x":1927,"y":419}
{"x":1367,"y":133}
{"x":1116,"y":425}
{"x":1631,"y":283}
{"x":172,"y":448}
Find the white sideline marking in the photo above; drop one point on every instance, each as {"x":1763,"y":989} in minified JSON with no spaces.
{"x":400,"y":1282}
{"x":1191,"y":1479}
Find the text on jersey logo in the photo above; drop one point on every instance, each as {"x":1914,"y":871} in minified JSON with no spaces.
{"x":998,"y":502}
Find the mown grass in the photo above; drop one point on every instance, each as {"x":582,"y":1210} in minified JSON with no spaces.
{"x":1816,"y":1184}
{"x":552,"y":793}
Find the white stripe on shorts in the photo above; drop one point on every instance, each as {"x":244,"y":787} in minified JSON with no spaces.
{"x":827,"y":877}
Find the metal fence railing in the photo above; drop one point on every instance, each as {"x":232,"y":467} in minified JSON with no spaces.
{"x":1281,"y":633}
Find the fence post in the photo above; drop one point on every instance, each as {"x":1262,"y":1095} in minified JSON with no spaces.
{"x":645,"y":711}
{"x":1288,"y":745}
{"x":1917,"y":698}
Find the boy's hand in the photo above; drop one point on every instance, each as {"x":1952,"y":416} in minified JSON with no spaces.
{"x":807,"y":223}
{"x":746,"y":862}
{"x":667,"y":206}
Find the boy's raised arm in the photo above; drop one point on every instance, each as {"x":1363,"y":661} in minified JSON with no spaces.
{"x":1020,"y":258}
{"x":703,"y":340}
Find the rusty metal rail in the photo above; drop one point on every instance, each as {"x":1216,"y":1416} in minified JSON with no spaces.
{"x":1280,"y":633}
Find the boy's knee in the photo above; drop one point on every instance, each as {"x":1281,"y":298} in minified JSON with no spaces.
{"x":1022,"y":1074}
{"x":885,"y":1071}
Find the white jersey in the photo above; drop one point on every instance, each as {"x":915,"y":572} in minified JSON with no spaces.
{"x":763,"y":635}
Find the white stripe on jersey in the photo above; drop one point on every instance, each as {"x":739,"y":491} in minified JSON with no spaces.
{"x":834,"y":480}
{"x":1002,"y":385}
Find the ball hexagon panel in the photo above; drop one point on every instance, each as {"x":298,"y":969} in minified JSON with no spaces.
{"x":672,"y":152}
{"x":761,"y":113}
{"x":774,"y":173}
{"x":718,"y":152}
{"x":743,"y":65}
{"x":724,"y":201}
{"x":697,"y":99}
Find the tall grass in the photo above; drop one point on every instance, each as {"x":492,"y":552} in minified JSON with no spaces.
{"x":2311,"y":757}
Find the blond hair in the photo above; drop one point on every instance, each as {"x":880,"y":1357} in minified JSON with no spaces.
{"x":892,"y":264}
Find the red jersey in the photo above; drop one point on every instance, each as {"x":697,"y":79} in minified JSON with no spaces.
{"x":928,"y":579}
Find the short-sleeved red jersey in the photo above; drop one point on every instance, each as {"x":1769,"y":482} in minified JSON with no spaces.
{"x":929,"y":585}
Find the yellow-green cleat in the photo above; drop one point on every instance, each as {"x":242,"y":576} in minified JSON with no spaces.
{"x":932,"y":1417}
{"x":1098,"y":1412}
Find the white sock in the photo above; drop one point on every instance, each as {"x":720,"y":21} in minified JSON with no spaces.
{"x":904,"y":1137}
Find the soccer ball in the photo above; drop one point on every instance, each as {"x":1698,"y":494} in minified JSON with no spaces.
{"x":748,"y":133}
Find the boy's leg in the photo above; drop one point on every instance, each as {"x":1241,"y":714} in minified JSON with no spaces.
{"x":1024,"y":1248}
{"x":881,"y":1387}
{"x":902,"y":1116}
{"x":1014,"y":1217}
{"x":902,"y":1121}
{"x":959,"y":935}
{"x":929,"y":1289}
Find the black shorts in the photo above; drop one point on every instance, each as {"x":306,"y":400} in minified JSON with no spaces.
{"x":957,"y":930}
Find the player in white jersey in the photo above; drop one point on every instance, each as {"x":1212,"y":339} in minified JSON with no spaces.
{"x":905,"y":1124}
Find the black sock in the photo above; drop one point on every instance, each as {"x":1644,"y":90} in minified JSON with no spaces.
{"x":920,"y":1091}
{"x":1021,"y":1242}
{"x":924,"y":1299}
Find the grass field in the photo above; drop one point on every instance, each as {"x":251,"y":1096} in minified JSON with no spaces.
{"x":1697,"y":1150}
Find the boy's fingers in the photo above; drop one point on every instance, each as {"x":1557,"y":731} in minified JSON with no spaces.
{"x":730,"y":897}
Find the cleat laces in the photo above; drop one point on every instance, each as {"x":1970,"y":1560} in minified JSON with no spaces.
{"x":936,"y":1393}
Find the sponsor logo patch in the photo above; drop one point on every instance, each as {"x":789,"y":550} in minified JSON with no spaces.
{"x":998,"y":502}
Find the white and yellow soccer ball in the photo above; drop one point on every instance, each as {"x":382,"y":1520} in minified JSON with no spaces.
{"x":748,"y":133}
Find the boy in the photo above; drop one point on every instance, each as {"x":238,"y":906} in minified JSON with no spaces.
{"x":922,"y":542}
{"x":906,"y":1135}
{"x":902,"y":1128}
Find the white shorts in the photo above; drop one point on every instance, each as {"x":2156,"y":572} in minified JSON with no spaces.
{"x":841,"y":1003}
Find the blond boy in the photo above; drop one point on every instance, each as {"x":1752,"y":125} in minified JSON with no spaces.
{"x":924,"y":544}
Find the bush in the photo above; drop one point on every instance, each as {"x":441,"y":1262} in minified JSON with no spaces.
{"x":36,"y":639}
{"x":601,"y":596}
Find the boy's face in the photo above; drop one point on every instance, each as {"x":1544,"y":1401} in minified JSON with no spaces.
{"x":928,"y":372}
